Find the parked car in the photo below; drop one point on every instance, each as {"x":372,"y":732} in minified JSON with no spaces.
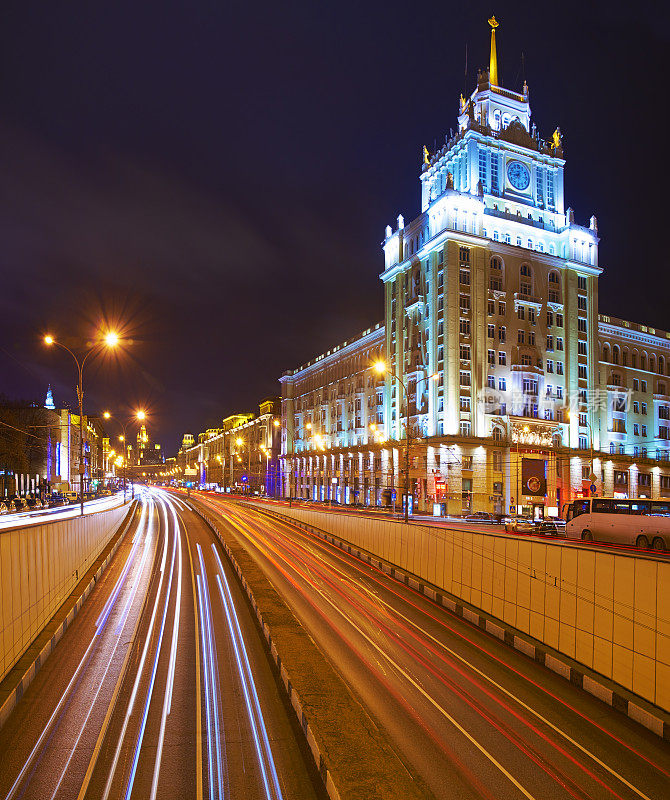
{"x":20,"y":504}
{"x":71,"y":497}
{"x":552,"y":527}
{"x":4,"y":508}
{"x":34,"y":503}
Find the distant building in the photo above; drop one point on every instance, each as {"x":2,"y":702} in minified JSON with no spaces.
{"x":240,"y":456}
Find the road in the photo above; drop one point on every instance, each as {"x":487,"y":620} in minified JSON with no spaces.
{"x":472,"y":717}
{"x":161,"y":687}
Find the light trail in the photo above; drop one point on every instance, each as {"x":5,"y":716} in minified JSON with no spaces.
{"x":154,"y":669}
{"x":138,"y":676}
{"x":263,"y":748}
{"x":131,"y":596}
{"x":215,"y":758}
{"x":418,"y":687}
{"x":43,"y":740}
{"x":369,"y":571}
{"x":167,"y":700}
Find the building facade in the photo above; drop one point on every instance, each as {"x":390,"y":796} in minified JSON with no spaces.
{"x":500,"y":371}
{"x":241,"y":456}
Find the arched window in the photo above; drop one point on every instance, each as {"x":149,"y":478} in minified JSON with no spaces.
{"x":554,"y":287}
{"x":624,"y":357}
{"x":607,"y":356}
{"x":615,"y":354}
{"x":633,"y":359}
{"x":643,"y":361}
{"x":661,"y":387}
{"x":497,"y":433}
{"x":652,"y":363}
{"x":661,"y":365}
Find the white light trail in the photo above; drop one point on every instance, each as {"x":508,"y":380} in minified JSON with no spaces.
{"x":259,"y":731}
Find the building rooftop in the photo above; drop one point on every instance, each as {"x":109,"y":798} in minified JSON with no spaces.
{"x":633,"y":326}
{"x":335,"y":349}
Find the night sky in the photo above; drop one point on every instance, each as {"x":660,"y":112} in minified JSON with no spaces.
{"x":216,"y":177}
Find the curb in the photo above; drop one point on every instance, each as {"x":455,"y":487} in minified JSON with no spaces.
{"x":291,"y":693}
{"x":603,"y":689}
{"x":34,"y":667}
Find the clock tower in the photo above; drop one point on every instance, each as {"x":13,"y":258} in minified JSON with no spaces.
{"x":492,"y":293}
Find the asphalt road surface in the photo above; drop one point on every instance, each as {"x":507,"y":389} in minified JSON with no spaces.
{"x":473,"y":717}
{"x":161,"y":687}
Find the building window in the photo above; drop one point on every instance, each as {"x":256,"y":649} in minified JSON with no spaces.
{"x":643,"y":386}
{"x":465,"y":404}
{"x":636,"y":385}
{"x":550,"y":342}
{"x":636,"y":429}
{"x":491,"y":330}
{"x":464,"y":303}
{"x":559,"y":367}
{"x":502,"y":333}
{"x":525,"y":360}
{"x":502,"y":358}
{"x":559,"y":343}
{"x":521,"y":337}
{"x":464,"y":277}
{"x":501,"y":309}
{"x":581,"y":283}
{"x":492,"y":358}
{"x":559,"y":320}
{"x":581,"y":372}
{"x":581,"y":302}
{"x":491,"y":382}
{"x":583,"y":443}
{"x":531,"y":316}
{"x":497,"y":455}
{"x":465,"y":378}
{"x":550,"y":319}
{"x":581,"y":325}
{"x":464,"y":255}
{"x":482,"y":167}
{"x":581,"y":348}
{"x":502,"y":384}
{"x":491,"y":307}
{"x":464,"y":352}
{"x":464,"y":327}
{"x":464,"y":429}
{"x":520,"y":312}
{"x":643,"y":409}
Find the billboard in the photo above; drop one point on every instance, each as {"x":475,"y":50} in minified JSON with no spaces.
{"x":534,"y":477}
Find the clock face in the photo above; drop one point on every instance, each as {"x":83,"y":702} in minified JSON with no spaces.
{"x":518,"y":175}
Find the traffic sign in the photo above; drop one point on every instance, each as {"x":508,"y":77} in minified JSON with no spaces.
{"x":593,"y":488}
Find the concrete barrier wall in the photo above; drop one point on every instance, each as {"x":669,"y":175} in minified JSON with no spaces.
{"x":39,"y":567}
{"x":610,"y":612}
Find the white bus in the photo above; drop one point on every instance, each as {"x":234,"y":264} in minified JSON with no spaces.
{"x":643,"y":523}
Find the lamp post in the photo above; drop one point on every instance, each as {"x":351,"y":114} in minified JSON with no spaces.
{"x":381,"y":368}
{"x":110,"y":340}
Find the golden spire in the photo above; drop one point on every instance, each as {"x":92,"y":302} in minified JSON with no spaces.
{"x":493,"y":61}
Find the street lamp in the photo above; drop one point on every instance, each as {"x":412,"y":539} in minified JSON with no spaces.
{"x":111,"y":340}
{"x":381,"y":368}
